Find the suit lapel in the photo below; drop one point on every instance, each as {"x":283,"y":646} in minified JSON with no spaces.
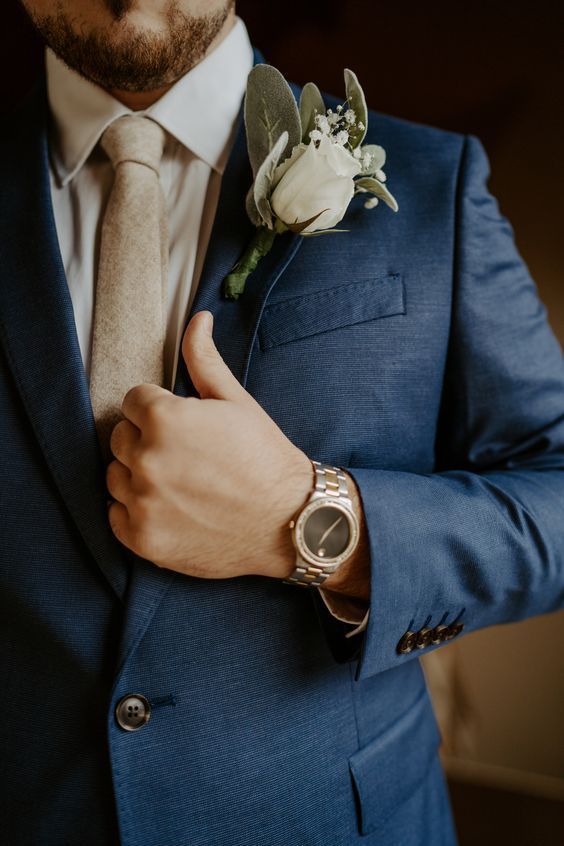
{"x":39,"y":337}
{"x":235,"y":321}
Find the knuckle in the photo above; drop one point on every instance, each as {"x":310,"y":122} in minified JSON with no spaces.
{"x":141,"y":510}
{"x":156,"y":411}
{"x":134,"y":394}
{"x":119,"y":435}
{"x":144,"y":465}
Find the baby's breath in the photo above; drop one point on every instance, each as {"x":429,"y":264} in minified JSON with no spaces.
{"x":338,"y":126}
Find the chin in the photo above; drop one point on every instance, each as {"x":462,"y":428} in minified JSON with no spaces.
{"x":141,"y":22}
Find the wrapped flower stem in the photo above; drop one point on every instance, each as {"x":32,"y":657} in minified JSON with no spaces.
{"x":258,"y":247}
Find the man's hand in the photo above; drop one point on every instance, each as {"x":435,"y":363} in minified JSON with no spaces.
{"x":205,"y":486}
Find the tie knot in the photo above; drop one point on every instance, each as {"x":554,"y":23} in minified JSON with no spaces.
{"x":132,"y":138}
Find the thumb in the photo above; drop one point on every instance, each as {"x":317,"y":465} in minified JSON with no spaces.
{"x":210,"y":375}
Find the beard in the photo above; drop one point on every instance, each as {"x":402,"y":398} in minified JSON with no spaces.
{"x":126,"y":58}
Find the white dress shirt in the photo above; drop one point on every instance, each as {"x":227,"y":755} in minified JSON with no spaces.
{"x":199,"y":114}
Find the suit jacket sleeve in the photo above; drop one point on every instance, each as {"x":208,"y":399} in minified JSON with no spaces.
{"x":481,"y":540}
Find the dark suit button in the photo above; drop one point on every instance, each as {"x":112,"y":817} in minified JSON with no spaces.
{"x":438,"y":634}
{"x":407,"y":643}
{"x":133,"y":712}
{"x":423,"y":638}
{"x":453,"y":630}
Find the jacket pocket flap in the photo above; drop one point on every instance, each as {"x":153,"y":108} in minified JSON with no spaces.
{"x":388,"y":770}
{"x":343,"y":305}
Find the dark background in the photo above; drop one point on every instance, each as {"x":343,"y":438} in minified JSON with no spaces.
{"x":494,"y":69}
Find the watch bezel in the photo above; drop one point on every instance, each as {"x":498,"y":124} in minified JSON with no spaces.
{"x":328,"y":564}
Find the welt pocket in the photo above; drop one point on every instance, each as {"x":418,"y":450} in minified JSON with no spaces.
{"x":342,"y":305}
{"x":387,"y":770}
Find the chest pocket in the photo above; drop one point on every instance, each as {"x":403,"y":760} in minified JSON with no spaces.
{"x":332,"y":308}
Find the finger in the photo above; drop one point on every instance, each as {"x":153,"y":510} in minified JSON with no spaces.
{"x":118,"y":482}
{"x":124,"y":441}
{"x":209,"y":373}
{"x":139,"y":399}
{"x":119,"y":522}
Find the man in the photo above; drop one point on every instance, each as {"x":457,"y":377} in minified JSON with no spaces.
{"x":165,"y":681}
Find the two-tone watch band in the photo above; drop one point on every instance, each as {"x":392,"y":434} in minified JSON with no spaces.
{"x":329,"y":481}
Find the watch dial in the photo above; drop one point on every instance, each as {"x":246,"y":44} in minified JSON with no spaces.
{"x":326,"y":532}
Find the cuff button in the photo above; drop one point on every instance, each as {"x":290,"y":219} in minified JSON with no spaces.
{"x":407,"y":643}
{"x":424,"y":638}
{"x":439,"y":634}
{"x":453,"y":630}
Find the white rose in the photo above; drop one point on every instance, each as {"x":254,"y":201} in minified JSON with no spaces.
{"x":314,"y":179}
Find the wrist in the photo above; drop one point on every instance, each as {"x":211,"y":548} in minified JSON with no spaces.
{"x":299,"y":483}
{"x":352,"y":577}
{"x":325,"y":530}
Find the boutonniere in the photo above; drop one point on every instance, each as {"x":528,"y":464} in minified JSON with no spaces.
{"x":307,"y":162}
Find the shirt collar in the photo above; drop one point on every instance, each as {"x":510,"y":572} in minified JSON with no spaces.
{"x":199,"y":110}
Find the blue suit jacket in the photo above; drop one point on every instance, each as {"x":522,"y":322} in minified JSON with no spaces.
{"x":414,"y":352}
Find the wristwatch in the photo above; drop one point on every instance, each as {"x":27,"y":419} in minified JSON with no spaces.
{"x":325,"y":531}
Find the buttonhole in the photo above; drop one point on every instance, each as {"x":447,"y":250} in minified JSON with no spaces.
{"x":165,"y":701}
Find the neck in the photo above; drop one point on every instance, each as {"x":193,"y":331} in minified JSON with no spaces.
{"x":137,"y":100}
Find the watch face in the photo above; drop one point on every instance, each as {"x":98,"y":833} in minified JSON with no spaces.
{"x":326,"y":532}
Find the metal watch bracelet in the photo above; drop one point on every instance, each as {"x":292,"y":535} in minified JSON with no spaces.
{"x":329,"y":481}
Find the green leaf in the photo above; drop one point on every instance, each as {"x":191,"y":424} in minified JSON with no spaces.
{"x":311,"y":103}
{"x":323,"y":232}
{"x":300,"y":226}
{"x":356,"y":101}
{"x":270,"y":109}
{"x":374,"y":186}
{"x":251,"y":207}
{"x":378,"y":158}
{"x":263,"y":180}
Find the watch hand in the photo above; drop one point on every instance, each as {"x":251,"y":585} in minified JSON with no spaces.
{"x":330,"y":529}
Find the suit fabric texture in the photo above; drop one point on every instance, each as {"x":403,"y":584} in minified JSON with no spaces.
{"x":413,"y":351}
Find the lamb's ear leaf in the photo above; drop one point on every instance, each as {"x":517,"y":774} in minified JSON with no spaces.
{"x":311,"y":103}
{"x":374,"y":186}
{"x":378,"y":155}
{"x":263,"y":180}
{"x":322,"y":232}
{"x":251,"y":206}
{"x":356,"y":101}
{"x":270,"y":108}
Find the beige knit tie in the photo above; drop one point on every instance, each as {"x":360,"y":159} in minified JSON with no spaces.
{"x":131,"y":290}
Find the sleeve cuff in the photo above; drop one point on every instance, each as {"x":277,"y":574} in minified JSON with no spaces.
{"x":347,"y":610}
